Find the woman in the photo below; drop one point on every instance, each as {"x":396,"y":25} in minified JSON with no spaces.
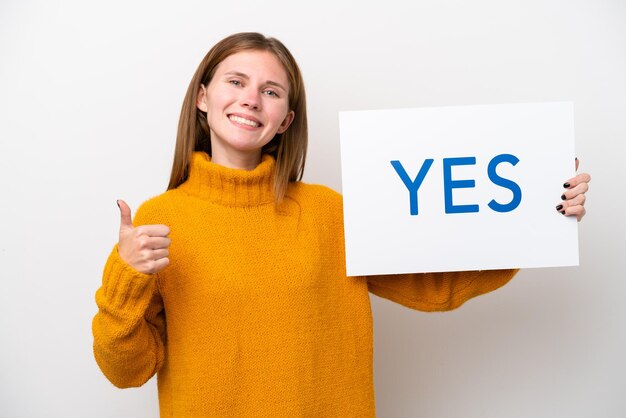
{"x":254,"y":316}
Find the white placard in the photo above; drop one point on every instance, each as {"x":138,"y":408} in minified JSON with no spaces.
{"x":462,"y":217}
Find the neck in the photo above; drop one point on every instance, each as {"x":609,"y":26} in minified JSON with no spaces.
{"x":241,"y":160}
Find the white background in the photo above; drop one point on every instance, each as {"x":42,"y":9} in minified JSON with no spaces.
{"x":89,"y":99}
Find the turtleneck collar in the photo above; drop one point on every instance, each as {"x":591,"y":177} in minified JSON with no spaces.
{"x":229,"y":186}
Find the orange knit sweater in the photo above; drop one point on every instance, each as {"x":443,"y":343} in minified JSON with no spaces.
{"x":254,"y":316}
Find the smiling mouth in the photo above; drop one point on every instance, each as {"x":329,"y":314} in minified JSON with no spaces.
{"x":244,"y":121}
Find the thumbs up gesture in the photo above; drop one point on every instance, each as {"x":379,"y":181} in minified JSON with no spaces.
{"x":143,"y":248}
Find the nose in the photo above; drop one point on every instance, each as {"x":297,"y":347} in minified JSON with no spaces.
{"x":250,"y":99}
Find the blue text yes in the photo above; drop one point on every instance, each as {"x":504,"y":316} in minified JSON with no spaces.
{"x":449,"y":184}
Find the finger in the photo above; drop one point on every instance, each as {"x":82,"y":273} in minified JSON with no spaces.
{"x":577,"y":211}
{"x":575,"y":191}
{"x":160,"y":253}
{"x":158,"y":265}
{"x":156,"y":243}
{"x":577,"y":163}
{"x":153,"y":230}
{"x":578,"y":200}
{"x":125,"y":217}
{"x":575,"y":181}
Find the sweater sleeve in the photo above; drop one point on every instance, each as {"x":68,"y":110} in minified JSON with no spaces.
{"x":129,"y":328}
{"x":437,"y":291}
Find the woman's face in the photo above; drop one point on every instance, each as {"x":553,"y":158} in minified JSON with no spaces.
{"x":246,"y":103}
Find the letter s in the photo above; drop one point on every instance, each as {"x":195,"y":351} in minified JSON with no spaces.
{"x":502,"y":182}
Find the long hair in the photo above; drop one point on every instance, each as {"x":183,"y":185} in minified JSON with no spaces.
{"x":288,"y":148}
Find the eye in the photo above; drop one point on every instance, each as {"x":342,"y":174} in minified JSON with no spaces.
{"x":235,"y":82}
{"x":270,"y":93}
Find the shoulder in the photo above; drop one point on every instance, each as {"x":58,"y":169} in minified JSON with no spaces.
{"x":157,"y":209}
{"x":314,"y":193}
{"x":316,"y":197}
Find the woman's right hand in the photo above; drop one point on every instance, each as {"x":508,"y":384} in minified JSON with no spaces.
{"x":143,"y":248}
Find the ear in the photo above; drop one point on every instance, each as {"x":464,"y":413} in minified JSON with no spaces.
{"x":201,"y":99}
{"x":286,"y":122}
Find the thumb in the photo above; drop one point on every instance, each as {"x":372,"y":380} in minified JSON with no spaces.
{"x":125,"y":219}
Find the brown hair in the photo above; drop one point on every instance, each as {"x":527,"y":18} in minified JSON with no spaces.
{"x":288,"y":148}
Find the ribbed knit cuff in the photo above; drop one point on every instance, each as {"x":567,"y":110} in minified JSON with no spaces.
{"x":123,"y":287}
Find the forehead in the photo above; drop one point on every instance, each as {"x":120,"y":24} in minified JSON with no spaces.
{"x":261,"y":64}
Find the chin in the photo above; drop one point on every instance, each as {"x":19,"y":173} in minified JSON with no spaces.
{"x":247,"y":146}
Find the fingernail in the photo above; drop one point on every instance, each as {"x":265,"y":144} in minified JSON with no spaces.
{"x":559,"y":207}
{"x":562,"y":212}
{"x":118,"y":204}
{"x":566,"y":185}
{"x":576,"y":158}
{"x":563,"y":197}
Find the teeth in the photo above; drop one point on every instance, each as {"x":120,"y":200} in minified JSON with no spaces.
{"x":244,"y":121}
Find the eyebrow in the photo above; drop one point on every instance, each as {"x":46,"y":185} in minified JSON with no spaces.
{"x":268,"y":82}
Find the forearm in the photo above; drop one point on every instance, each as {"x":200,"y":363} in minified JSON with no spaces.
{"x":438,"y":291}
{"x":128,"y":345}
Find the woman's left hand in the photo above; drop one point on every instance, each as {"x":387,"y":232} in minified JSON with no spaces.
{"x":573,"y":199}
